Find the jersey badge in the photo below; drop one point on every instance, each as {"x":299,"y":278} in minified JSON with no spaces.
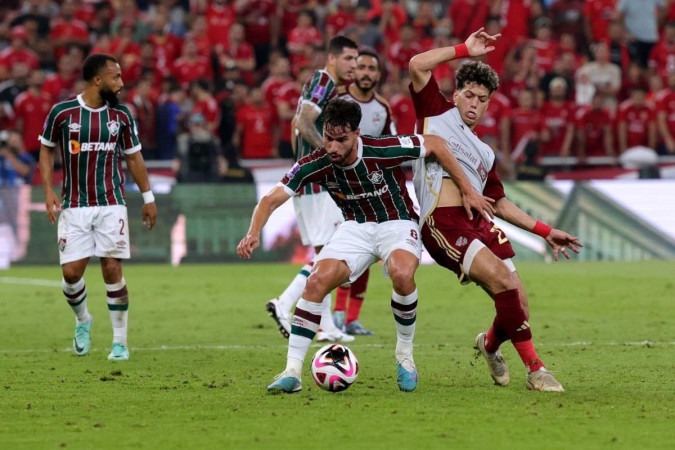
{"x":62,"y":244}
{"x":461,"y":241}
{"x":376,"y":177}
{"x":406,"y":141}
{"x":113,"y":127}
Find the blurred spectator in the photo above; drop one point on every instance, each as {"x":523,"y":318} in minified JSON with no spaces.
{"x":220,"y":16}
{"x":286,"y":104}
{"x":143,"y":100}
{"x":516,"y":16}
{"x":16,"y":165}
{"x":662,"y":56}
{"x":364,"y":32}
{"x":236,"y":60}
{"x":170,"y":115}
{"x":262,"y":26}
{"x":633,"y":77}
{"x":557,"y":115}
{"x":31,"y":108}
{"x":618,"y":49}
{"x":59,"y":86}
{"x":199,"y":154}
{"x":230,"y":100}
{"x":636,"y":121}
{"x":424,"y":23}
{"x":567,"y":18}
{"x":66,"y":30}
{"x":9,"y":91}
{"x":402,"y":107}
{"x":100,"y":23}
{"x":545,"y":45}
{"x":502,"y":53}
{"x":205,"y":105}
{"x":123,"y":47}
{"x":563,"y":66}
{"x":594,"y":127}
{"x":521,"y":73}
{"x":341,"y":18}
{"x":390,"y":15}
{"x":198,"y":34}
{"x":468,"y":16}
{"x":280,"y":74}
{"x":598,"y":14}
{"x":444,"y":73}
{"x":641,"y":19}
{"x":257,"y":134}
{"x":665,"y":116}
{"x":525,"y":127}
{"x":302,"y":39}
{"x":604,"y":75}
{"x":401,"y":51}
{"x":166,"y":46}
{"x":18,"y":51}
{"x":494,"y":129}
{"x":191,"y":66}
{"x":37,"y":12}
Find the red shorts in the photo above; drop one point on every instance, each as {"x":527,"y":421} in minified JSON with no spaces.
{"x":448,"y":234}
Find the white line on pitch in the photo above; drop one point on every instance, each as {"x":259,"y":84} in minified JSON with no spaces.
{"x":262,"y":347}
{"x":30,"y":282}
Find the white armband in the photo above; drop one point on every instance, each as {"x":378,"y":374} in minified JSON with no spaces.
{"x":148,"y":197}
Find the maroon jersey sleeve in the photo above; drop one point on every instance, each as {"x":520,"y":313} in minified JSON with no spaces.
{"x":493,"y":186}
{"x":429,"y":101}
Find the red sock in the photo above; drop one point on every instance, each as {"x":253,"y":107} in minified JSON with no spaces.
{"x":356,"y":296}
{"x":528,"y":354}
{"x":341,"y":297}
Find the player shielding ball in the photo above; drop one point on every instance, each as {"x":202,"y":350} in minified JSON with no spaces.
{"x":475,"y":249}
{"x":94,"y":133}
{"x":363,"y":175}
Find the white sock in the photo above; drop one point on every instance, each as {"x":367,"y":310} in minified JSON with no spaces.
{"x":76,"y":296}
{"x":327,"y":324}
{"x":404,"y":308}
{"x":298,"y":344}
{"x":293,"y":292}
{"x":118,"y":307}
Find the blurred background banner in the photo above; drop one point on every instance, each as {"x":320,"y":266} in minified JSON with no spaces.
{"x":616,"y":220}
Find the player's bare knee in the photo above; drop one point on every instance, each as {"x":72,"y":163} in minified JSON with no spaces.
{"x":317,"y":285}
{"x":402,"y":277}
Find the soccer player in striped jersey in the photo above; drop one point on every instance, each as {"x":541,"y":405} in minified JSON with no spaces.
{"x":316,"y":213}
{"x":376,"y":120}
{"x":94,"y":132}
{"x":476,"y":250}
{"x":363,"y":176}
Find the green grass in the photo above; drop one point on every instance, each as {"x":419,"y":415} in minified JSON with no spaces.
{"x":203,"y":351}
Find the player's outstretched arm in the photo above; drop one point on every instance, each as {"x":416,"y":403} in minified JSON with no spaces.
{"x":52,"y":203}
{"x":437,"y":147}
{"x":560,"y":241}
{"x":136,"y":167}
{"x":261,"y":214}
{"x":421,"y":65}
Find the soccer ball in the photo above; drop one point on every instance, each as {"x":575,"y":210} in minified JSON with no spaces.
{"x":334,"y":367}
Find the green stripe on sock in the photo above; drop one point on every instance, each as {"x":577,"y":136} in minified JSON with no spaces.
{"x":405,"y":322}
{"x":120,"y":307}
{"x":304,"y":332}
{"x":305,"y":273}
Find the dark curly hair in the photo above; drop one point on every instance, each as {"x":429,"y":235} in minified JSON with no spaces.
{"x":341,"y":113}
{"x":479,"y":73}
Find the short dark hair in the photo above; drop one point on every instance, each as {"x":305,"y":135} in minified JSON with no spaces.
{"x":477,"y":72}
{"x":367,"y":51}
{"x":337,"y":45}
{"x":94,"y":63}
{"x":340,"y":113}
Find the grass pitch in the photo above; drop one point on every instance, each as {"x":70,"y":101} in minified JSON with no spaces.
{"x":203,"y":351}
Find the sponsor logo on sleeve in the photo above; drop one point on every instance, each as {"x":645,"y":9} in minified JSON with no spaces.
{"x":406,"y":142}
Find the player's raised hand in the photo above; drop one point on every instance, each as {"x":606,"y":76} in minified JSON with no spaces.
{"x":480,"y":43}
{"x":52,"y":205}
{"x":474,"y":200}
{"x":149,"y":215}
{"x":561,"y":241}
{"x":246,"y":246}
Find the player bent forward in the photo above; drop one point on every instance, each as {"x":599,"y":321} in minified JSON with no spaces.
{"x":364,"y":177}
{"x":476,"y":249}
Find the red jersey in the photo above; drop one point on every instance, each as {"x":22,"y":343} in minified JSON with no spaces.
{"x":524,"y":122}
{"x":58,"y":87}
{"x":600,"y":14}
{"x":306,"y":37}
{"x":256,"y":123}
{"x":271,"y":88}
{"x":403,"y":113}
{"x":468,"y":16}
{"x":400,"y":56}
{"x":256,"y":15}
{"x":186,"y":70}
{"x":210,"y":110}
{"x":637,"y":119}
{"x":219,"y":19}
{"x":556,"y":119}
{"x":499,"y":109}
{"x":665,"y":103}
{"x":33,"y":109}
{"x":288,"y":93}
{"x":516,"y":15}
{"x":547,"y":52}
{"x":9,"y":57}
{"x":72,"y":29}
{"x":338,"y":21}
{"x":167,"y":49}
{"x":592,"y":122}
{"x":662,"y":58}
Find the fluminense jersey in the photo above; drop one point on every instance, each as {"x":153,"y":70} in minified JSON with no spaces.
{"x":317,"y":92}
{"x":375,"y":114}
{"x":92,"y":142}
{"x":436,"y":115}
{"x":372,"y":189}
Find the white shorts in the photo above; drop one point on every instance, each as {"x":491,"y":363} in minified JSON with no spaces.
{"x":318,"y":217}
{"x":101,"y":231}
{"x":362,"y":244}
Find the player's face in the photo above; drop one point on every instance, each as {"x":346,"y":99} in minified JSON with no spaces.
{"x":367,"y":73}
{"x":345,"y":64}
{"x":472,"y":101}
{"x":341,"y":144}
{"x":110,"y":83}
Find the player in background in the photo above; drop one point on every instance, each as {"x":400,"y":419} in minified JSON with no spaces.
{"x":376,"y":120}
{"x":476,"y":249}
{"x":363,"y":176}
{"x":94,"y":132}
{"x":317,"y":214}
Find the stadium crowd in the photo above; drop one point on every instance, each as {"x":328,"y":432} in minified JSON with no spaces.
{"x":211,"y":82}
